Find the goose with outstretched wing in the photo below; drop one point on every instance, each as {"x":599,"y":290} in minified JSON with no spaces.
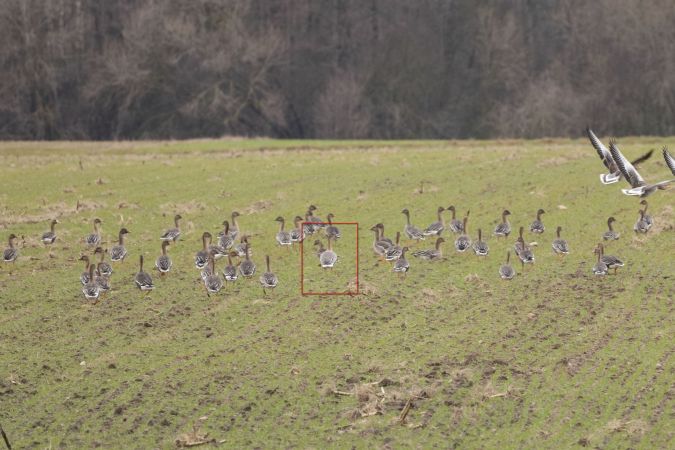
{"x":638,"y":185}
{"x":605,"y":155}
{"x":670,"y":161}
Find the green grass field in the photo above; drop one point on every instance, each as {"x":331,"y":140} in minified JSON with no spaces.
{"x":556,"y":358}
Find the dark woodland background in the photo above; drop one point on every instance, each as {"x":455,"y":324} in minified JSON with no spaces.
{"x":132,"y":69}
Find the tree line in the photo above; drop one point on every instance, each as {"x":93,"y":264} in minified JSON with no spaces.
{"x":140,"y":69}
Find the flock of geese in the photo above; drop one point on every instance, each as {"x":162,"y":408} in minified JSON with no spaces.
{"x":96,"y":277}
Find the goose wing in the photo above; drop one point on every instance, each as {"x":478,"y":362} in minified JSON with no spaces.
{"x":604,"y":154}
{"x":670,"y":161}
{"x":626,"y":167}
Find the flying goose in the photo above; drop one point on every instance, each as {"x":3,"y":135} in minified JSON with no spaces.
{"x":608,"y":160}
{"x":638,"y":184}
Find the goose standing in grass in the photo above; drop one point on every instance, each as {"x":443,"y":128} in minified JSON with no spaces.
{"x":84,"y":277}
{"x":520,"y":242}
{"x":212,"y":282}
{"x":611,"y":234}
{"x":436,"y":228}
{"x":463,"y":241}
{"x":283,"y":237}
{"x":234,"y":228}
{"x":297,"y":231}
{"x":104,"y":267}
{"x":91,"y":289}
{"x":328,"y":257}
{"x":49,"y":237}
{"x":247,"y":267}
{"x":537,"y":226}
{"x":506,"y":271}
{"x":119,"y":252}
{"x":268,"y":280}
{"x":318,"y":222}
{"x":383,"y":239}
{"x":559,"y":244}
{"x":224,"y":239}
{"x":432,"y":254}
{"x":308,"y":229}
{"x":410,"y":230}
{"x":638,"y":185}
{"x":455,"y":225}
{"x":217,"y":251}
{"x":143,"y":279}
{"x":172,"y":234}
{"x":11,"y":253}
{"x":94,"y":239}
{"x":608,"y":160}
{"x":319,"y":248}
{"x":395,"y":251}
{"x":612,"y":262}
{"x":230,"y":271}
{"x":331,"y":231}
{"x":504,"y":227}
{"x":163,"y":261}
{"x":600,"y":268}
{"x":241,"y":248}
{"x":202,"y":256}
{"x":103,"y":281}
{"x":480,"y":247}
{"x":524,"y":252}
{"x":647,"y":217}
{"x":379,"y":247}
{"x":401,"y":266}
{"x":641,"y":226}
{"x":670,"y":161}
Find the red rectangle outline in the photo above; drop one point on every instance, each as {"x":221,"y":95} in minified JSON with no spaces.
{"x":302,"y":259}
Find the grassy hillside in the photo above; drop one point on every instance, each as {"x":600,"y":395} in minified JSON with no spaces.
{"x":555,"y":358}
